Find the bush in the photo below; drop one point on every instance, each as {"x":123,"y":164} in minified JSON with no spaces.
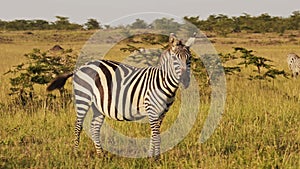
{"x":40,"y":68}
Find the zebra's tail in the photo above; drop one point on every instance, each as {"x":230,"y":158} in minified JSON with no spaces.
{"x":59,"y":81}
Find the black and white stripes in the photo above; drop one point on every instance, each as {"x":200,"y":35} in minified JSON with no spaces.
{"x":122,"y":92}
{"x":293,"y":61}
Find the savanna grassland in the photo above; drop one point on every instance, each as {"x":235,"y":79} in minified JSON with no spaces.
{"x":260,"y":127}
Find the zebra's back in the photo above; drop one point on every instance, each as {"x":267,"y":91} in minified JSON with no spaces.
{"x":119,"y":91}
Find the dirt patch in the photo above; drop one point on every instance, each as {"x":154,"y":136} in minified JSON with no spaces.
{"x":5,"y":40}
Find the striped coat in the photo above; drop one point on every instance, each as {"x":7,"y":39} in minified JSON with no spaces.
{"x":122,"y":92}
{"x":293,"y":61}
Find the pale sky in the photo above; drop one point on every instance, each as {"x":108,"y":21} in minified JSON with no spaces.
{"x":105,"y":11}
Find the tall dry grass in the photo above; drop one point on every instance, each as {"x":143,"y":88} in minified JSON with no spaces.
{"x":259,"y":129}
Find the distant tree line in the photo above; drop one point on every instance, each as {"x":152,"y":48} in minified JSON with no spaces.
{"x":219,"y":24}
{"x":222,"y":24}
{"x":61,"y":23}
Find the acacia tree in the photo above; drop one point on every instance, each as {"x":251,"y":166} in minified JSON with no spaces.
{"x":39,"y":69}
{"x":139,"y":24}
{"x":294,"y":20}
{"x":264,"y":70}
{"x":63,"y":23}
{"x":166,"y":25}
{"x":92,"y":24}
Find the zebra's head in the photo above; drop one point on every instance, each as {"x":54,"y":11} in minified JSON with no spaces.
{"x":181,"y":56}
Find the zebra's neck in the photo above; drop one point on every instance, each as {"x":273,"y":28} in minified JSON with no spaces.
{"x":168,"y":75}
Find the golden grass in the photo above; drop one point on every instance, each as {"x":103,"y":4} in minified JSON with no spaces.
{"x":259,"y":129}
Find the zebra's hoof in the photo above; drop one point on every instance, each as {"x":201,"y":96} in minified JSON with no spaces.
{"x":101,"y":153}
{"x":157,"y":158}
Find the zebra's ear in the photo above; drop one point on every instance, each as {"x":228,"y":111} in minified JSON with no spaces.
{"x":174,"y":41}
{"x":190,"y":41}
{"x":172,"y":38}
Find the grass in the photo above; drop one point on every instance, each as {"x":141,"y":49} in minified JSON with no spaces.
{"x":259,"y":129}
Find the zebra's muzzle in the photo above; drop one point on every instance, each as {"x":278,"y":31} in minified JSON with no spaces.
{"x":185,"y":78}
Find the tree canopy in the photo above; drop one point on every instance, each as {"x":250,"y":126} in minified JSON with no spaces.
{"x":220,"y":24}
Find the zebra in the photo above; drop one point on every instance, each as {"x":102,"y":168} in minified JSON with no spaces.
{"x":126,"y":93}
{"x":293,"y":61}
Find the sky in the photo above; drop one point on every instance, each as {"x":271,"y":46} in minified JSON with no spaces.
{"x":108,"y":11}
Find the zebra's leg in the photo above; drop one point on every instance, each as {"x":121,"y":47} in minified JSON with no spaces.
{"x":97,"y":121}
{"x":155,"y":123}
{"x":155,"y":138}
{"x":82,"y":109}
